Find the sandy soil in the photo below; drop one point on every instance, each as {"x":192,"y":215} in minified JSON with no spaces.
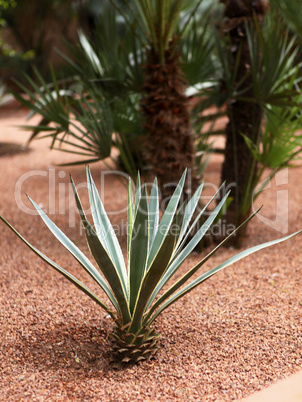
{"x":237,"y":333}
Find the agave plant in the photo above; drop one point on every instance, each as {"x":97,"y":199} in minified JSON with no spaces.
{"x":155,"y":251}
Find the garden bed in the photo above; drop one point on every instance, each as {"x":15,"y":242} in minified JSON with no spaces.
{"x":232,"y":336}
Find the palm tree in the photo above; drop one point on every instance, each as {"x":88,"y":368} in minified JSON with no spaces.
{"x":244,"y":117}
{"x":262,"y":92}
{"x":292,"y":11}
{"x":142,"y":77}
{"x":169,"y":147}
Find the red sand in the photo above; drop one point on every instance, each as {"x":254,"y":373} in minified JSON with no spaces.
{"x":237,"y":333}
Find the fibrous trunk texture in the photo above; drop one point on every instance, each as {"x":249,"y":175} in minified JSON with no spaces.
{"x":130,"y":348}
{"x":239,"y":167}
{"x":169,"y":144}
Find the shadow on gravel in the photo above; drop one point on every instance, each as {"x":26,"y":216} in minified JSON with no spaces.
{"x":72,"y":348}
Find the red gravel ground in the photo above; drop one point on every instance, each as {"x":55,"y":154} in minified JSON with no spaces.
{"x":237,"y":333}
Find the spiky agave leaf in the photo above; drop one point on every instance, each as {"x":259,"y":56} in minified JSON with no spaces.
{"x":155,"y":251}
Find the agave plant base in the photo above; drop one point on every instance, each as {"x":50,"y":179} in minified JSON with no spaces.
{"x":130,"y":348}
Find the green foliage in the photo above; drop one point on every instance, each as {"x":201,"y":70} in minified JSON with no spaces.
{"x":292,"y":11}
{"x":113,"y":76}
{"x":197,"y":44}
{"x":6,"y":5}
{"x":116,"y":69}
{"x":281,"y":144}
{"x":273,"y":66}
{"x":155,"y":251}
{"x":158,"y":21}
{"x":275,"y":79}
{"x":31,"y":30}
{"x":82,"y":124}
{"x":274,"y":69}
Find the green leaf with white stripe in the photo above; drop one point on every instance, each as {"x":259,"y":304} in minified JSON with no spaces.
{"x":189,"y":212}
{"x":153,"y":212}
{"x":151,"y":278}
{"x":139,"y":248}
{"x":166,"y":220}
{"x":196,"y":221}
{"x":137,"y":192}
{"x":213,"y":271}
{"x":107,"y":234}
{"x":183,"y":255}
{"x":190,"y":273}
{"x":76,"y":252}
{"x":103,"y":260}
{"x":62,"y":271}
{"x":130,"y":219}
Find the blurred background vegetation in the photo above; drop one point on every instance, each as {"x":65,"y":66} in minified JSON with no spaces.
{"x":150,"y":78}
{"x":30,"y":32}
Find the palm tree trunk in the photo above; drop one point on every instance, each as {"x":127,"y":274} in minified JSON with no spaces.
{"x":169,"y":142}
{"x":239,"y":168}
